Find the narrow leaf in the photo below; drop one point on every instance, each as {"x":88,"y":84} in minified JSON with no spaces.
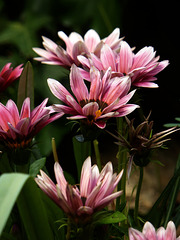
{"x":36,"y":166}
{"x":33,"y":212}
{"x":81,"y":151}
{"x":10,"y":187}
{"x":26,"y":86}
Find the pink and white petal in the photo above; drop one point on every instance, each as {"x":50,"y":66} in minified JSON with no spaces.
{"x":90,"y":109}
{"x":84,"y":61}
{"x":118,"y":88}
{"x":72,"y":102}
{"x":11,"y":106}
{"x":77,"y":84}
{"x":94,"y":177}
{"x":113,"y":38}
{"x":90,"y":201}
{"x":107,"y":168}
{"x":118,"y":178}
{"x":100,"y":124}
{"x":119,"y":102}
{"x":96,"y":62}
{"x":161,"y":233}
{"x":107,"y":200}
{"x":136,"y":235}
{"x":108,"y":58}
{"x":91,"y":39}
{"x":96,"y":84}
{"x":159,"y":67}
{"x":85,"y":177}
{"x":25,"y":110}
{"x":49,"y":45}
{"x":63,"y":57}
{"x":76,"y":117}
{"x":170,"y":233}
{"x":5,"y":117}
{"x":23,"y":126}
{"x":85,"y":74}
{"x":127,"y":109}
{"x":15,"y":73}
{"x":125,"y":58}
{"x":79,"y":48}
{"x":143,"y":57}
{"x":62,"y":108}
{"x":149,"y":231}
{"x":69,"y":44}
{"x":46,"y":179}
{"x":61,"y":181}
{"x":75,"y":37}
{"x":146,"y":84}
{"x":58,"y":90}
{"x":39,"y":111}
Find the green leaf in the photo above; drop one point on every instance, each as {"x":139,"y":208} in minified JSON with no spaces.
{"x":104,"y":217}
{"x":36,"y":166}
{"x":177,"y":119}
{"x":10,"y":187}
{"x":26,"y":86}
{"x":22,"y":189}
{"x":81,"y":151}
{"x":166,"y":200}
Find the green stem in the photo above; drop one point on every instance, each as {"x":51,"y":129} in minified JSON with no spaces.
{"x":138,"y":195}
{"x":122,"y":164}
{"x":97,"y":153}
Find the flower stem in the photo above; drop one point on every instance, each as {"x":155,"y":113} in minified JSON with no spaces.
{"x":122,"y":164}
{"x":138,"y":195}
{"x":97,"y":153}
{"x":54,"y":150}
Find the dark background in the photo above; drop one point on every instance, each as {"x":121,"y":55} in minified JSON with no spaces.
{"x":143,"y":23}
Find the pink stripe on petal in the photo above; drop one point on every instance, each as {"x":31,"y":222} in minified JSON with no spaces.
{"x":61,"y":181}
{"x":25,"y":110}
{"x":58,"y":89}
{"x":170,"y":233}
{"x":149,"y":231}
{"x":91,"y":39}
{"x":85,"y":177}
{"x":135,"y":235}
{"x":11,"y":106}
{"x":125,"y":58}
{"x":77,"y":84}
{"x":108,"y":199}
{"x":90,"y":109}
{"x":108,"y":57}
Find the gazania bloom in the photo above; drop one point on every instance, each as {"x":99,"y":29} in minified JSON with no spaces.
{"x":75,"y":45}
{"x":106,"y":98}
{"x":17,"y":130}
{"x":149,"y":232}
{"x":9,"y":75}
{"x":141,"y":141}
{"x":94,"y":193}
{"x":140,"y":67}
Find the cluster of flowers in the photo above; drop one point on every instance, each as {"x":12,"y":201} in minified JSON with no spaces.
{"x":103,"y":73}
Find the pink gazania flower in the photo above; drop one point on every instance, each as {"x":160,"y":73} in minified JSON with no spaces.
{"x":75,"y":45}
{"x":140,"y":67}
{"x":106,"y":98}
{"x":96,"y":189}
{"x":149,"y":233}
{"x":17,"y":130}
{"x":9,"y":75}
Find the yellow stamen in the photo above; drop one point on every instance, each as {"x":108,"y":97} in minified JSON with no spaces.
{"x":98,"y":114}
